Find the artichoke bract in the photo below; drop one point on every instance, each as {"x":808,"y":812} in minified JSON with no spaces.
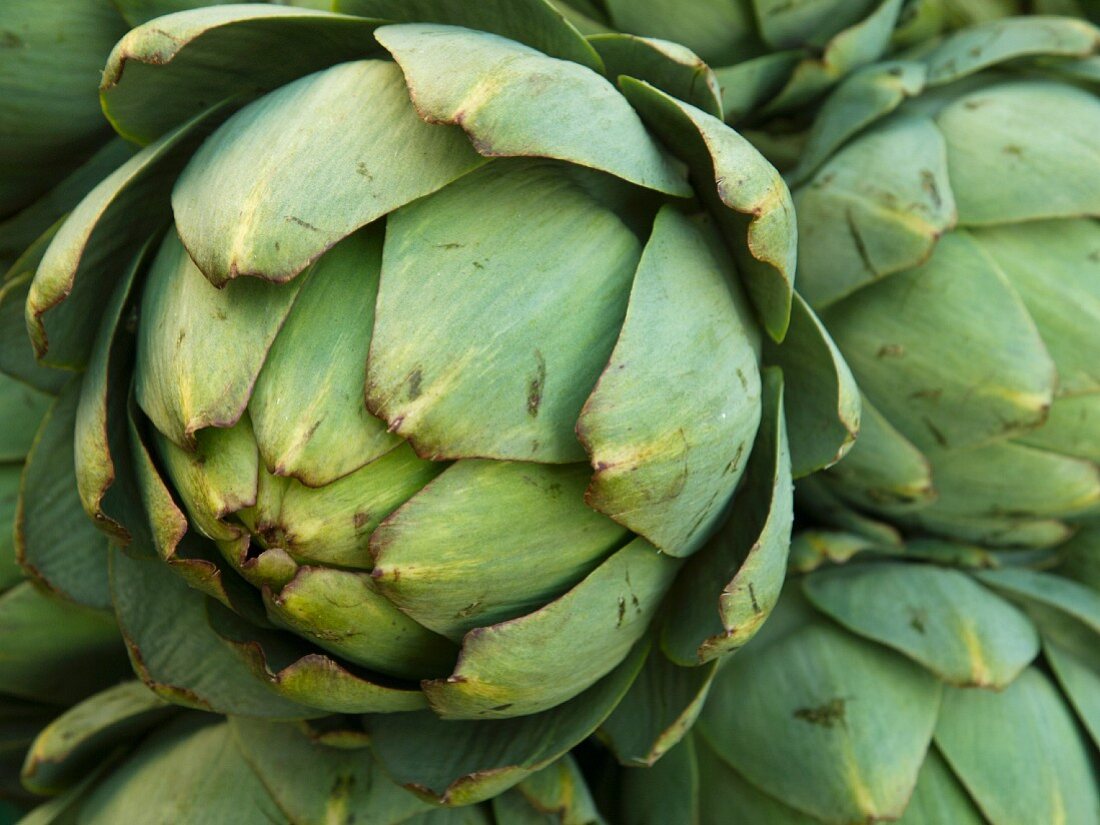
{"x":889,"y":687}
{"x":947,"y":212}
{"x":433,"y":398}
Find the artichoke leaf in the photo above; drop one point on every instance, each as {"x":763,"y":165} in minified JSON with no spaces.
{"x":489,"y":541}
{"x":462,"y":268}
{"x":22,"y":408}
{"x":823,"y":416}
{"x":516,"y":667}
{"x":867,"y":712}
{"x":243,"y":212}
{"x":748,"y":197}
{"x":656,"y":714}
{"x":54,"y":540}
{"x":475,"y":760}
{"x":994,"y":42}
{"x":982,"y":733}
{"x":176,"y":653}
{"x":321,"y":431}
{"x":166,"y":71}
{"x":66,"y":749}
{"x":666,"y":793}
{"x":513,"y":101}
{"x":668,"y":66}
{"x":726,"y":591}
{"x":299,"y":672}
{"x":940,"y":618}
{"x":720,"y":31}
{"x":674,"y":415}
{"x":534,"y":23}
{"x":97,"y":242}
{"x":312,"y":782}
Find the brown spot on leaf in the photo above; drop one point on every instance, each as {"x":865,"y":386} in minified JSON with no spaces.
{"x":535,"y":386}
{"x":829,"y":715}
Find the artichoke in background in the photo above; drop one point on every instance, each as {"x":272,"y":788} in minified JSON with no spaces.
{"x":429,"y":406}
{"x":947,"y":235}
{"x":894,"y":688}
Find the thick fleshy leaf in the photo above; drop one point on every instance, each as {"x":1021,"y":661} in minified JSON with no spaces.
{"x":478,"y":759}
{"x":55,"y":651}
{"x":832,"y":725}
{"x":1070,"y":429}
{"x":188,"y":770}
{"x":965,"y":367}
{"x":431,"y":555}
{"x":168,"y":70}
{"x":750,"y":83}
{"x":1005,"y":165}
{"x":296,"y":671}
{"x":101,"y":435}
{"x":749,"y":199}
{"x":343,"y":612}
{"x":982,"y":734}
{"x":883,"y":470}
{"x":514,"y":333}
{"x":859,"y":101}
{"x":668,"y":792}
{"x":877,"y":207}
{"x":998,"y":41}
{"x":719,"y":31}
{"x":532,"y":663}
{"x":48,"y":63}
{"x":53,"y":537}
{"x":823,"y":406}
{"x":1053,"y":267}
{"x":557,"y":793}
{"x":201,"y":348}
{"x":215,"y":480}
{"x":97,"y":242}
{"x":676,"y":410}
{"x":311,"y":782}
{"x":72,"y":744}
{"x":17,"y":358}
{"x":333,"y":524}
{"x":10,"y":571}
{"x":938,"y":797}
{"x":722,"y":790}
{"x":532,"y":22}
{"x":986,"y":482}
{"x":174,"y":651}
{"x":307,"y":408}
{"x":658,"y":710}
{"x":857,"y":45}
{"x":244,"y":212}
{"x":938,"y":617}
{"x":534,"y":105}
{"x":22,"y":409}
{"x":1073,"y":598}
{"x":661,"y":63}
{"x":727,"y":590}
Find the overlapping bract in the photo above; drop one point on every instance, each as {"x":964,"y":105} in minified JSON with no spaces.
{"x":891,"y":687}
{"x":947,"y":214}
{"x":435,"y":396}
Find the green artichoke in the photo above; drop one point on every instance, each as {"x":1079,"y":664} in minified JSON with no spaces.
{"x":433,"y":399}
{"x":947,"y":213}
{"x":891,"y":688}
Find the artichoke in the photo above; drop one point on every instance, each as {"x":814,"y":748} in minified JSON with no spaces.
{"x":418,"y":368}
{"x":894,"y":688}
{"x":947,"y":213}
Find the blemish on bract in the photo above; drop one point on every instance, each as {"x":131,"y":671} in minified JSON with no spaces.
{"x":535,"y":386}
{"x":414,"y":381}
{"x":829,"y":715}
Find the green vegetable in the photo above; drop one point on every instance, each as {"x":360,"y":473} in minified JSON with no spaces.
{"x":431,"y":402}
{"x":947,"y":234}
{"x":892,"y":688}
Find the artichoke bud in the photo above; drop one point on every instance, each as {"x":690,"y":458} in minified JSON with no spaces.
{"x":948,"y":236}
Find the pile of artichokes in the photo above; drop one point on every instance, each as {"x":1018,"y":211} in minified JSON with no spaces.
{"x":550,"y":411}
